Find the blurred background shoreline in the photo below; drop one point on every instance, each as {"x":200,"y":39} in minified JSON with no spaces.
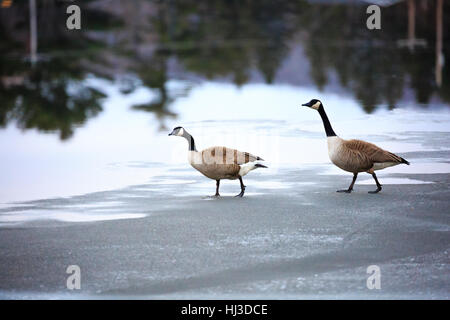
{"x":79,"y":105}
{"x":89,"y":176}
{"x":323,"y":45}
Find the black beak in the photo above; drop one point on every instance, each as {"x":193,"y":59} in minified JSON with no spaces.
{"x":170,"y":134}
{"x":258,"y":165}
{"x":305,"y":105}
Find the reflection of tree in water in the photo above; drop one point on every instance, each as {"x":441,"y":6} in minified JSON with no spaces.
{"x":217,"y":39}
{"x":370,"y":63}
{"x":152,"y":69}
{"x":213,"y":39}
{"x":364,"y":60}
{"x":225,"y":38}
{"x":154,"y":75}
{"x":50,"y":98}
{"x":51,"y":95}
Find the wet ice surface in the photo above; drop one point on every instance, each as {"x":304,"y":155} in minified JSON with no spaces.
{"x":292,"y":236}
{"x":427,"y":152}
{"x":395,"y":181}
{"x":266,"y":120}
{"x":141,"y":223}
{"x":186,"y":185}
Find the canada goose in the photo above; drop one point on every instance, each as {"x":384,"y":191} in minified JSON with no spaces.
{"x":355,"y":155}
{"x":219,"y":162}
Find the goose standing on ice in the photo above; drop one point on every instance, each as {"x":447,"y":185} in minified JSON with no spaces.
{"x":219,"y":162}
{"x":355,"y":155}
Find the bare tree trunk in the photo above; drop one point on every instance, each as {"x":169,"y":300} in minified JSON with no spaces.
{"x":33,"y":32}
{"x":439,"y":53}
{"x":411,"y":23}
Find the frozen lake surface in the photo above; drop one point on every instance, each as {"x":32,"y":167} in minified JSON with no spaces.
{"x":157,"y":233}
{"x":90,"y":177}
{"x":294,"y":242}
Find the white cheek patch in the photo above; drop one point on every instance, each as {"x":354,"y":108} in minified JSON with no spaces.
{"x":180,"y":132}
{"x":316,"y":105}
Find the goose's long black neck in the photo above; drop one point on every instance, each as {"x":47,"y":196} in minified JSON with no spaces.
{"x":191,"y":141}
{"x":326,"y":123}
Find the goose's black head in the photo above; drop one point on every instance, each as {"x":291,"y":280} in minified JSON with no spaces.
{"x":177,"y":131}
{"x":313,"y":104}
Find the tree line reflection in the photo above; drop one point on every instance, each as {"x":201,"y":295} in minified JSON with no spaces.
{"x":153,"y":42}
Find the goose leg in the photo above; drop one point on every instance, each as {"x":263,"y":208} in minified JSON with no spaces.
{"x":378,"y":184}
{"x":350,"y":189}
{"x":242,"y":188}
{"x":217,"y":188}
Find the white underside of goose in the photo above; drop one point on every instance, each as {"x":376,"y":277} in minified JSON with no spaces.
{"x":382,"y":165}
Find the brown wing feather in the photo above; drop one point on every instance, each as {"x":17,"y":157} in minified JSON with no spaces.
{"x":353,"y":158}
{"x":222,"y":162}
{"x":369,"y":152}
{"x":224,"y":155}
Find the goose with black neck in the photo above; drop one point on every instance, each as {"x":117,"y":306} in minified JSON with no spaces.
{"x":219,"y":163}
{"x":354,"y":156}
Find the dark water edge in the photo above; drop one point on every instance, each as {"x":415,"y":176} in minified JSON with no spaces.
{"x":147,"y":44}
